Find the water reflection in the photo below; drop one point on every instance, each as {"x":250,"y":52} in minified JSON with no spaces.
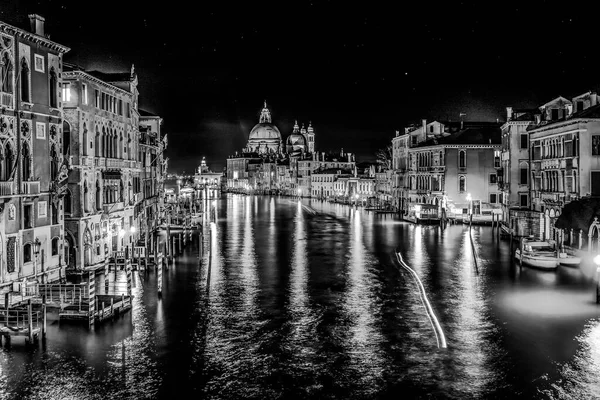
{"x":305,"y":301}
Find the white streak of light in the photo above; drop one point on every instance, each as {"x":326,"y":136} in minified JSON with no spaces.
{"x":432,"y":318}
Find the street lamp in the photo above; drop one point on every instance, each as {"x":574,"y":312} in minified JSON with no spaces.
{"x":299,"y":192}
{"x":36,"y":251}
{"x":356,"y":197}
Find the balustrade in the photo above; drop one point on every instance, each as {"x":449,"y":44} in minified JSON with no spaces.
{"x":30,"y":187}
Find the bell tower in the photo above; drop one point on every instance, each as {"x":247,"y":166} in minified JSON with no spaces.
{"x":310,"y":135}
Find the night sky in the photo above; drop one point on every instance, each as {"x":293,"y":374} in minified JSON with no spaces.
{"x":359,"y":71}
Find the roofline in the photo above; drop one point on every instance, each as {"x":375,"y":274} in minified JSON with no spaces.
{"x":94,"y":79}
{"x":13,"y":30}
{"x":561,"y":124}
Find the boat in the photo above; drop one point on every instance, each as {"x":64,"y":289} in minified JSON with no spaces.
{"x":568,"y":260}
{"x":538,"y":254}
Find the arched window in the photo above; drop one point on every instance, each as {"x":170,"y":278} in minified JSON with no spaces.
{"x":24,"y":81}
{"x":7,"y":163}
{"x":115,"y":149}
{"x":67,"y":202}
{"x":462,"y":159}
{"x":462,"y":184}
{"x":26,"y":165}
{"x":104,"y":143}
{"x":524,"y":173}
{"x":27,"y":252}
{"x":86,"y":200}
{"x":53,"y":163}
{"x":98,"y":196}
{"x":67,"y":138}
{"x":53,"y":88}
{"x":55,"y":246}
{"x":97,"y":143}
{"x":6,"y":69}
{"x":85,"y":140}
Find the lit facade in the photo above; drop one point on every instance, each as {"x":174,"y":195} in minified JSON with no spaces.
{"x":34,"y":156}
{"x":101,"y":111}
{"x":565,"y":156}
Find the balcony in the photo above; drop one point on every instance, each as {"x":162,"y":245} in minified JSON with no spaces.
{"x":437,"y":168}
{"x":100,"y":162}
{"x":112,"y":207}
{"x":7,"y":100}
{"x":7,"y":188}
{"x":30,"y":188}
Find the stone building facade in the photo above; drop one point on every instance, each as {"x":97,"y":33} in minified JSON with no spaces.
{"x":101,"y":113}
{"x":32,"y":154}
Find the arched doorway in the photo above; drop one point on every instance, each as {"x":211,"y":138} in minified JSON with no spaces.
{"x":70,"y":251}
{"x":594,"y":237}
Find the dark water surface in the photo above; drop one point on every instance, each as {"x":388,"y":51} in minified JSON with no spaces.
{"x":307,"y":300}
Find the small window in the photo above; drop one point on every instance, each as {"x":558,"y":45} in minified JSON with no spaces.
{"x":66,"y":92}
{"x":39,"y":63}
{"x":42,"y":209}
{"x":40,"y":130}
{"x":28,"y":216}
{"x":554,"y":114}
{"x":500,"y":198}
{"x":462,"y":183}
{"x":413,"y":140}
{"x":524,"y":175}
{"x":84,"y":94}
{"x":524,"y":200}
{"x":493,"y":179}
{"x":97,"y":95}
{"x":596,"y":145}
{"x":55,"y":246}
{"x":493,"y":198}
{"x":524,"y":141}
{"x":462,"y":159}
{"x":27,"y":252}
{"x":497,"y":162}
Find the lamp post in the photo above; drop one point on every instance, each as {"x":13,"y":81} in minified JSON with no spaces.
{"x":300,"y":193}
{"x":356,"y":196}
{"x":36,"y":251}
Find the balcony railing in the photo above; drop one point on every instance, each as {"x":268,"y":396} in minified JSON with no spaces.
{"x":112,"y":207}
{"x":30,"y":187}
{"x":7,"y":100}
{"x":7,"y":188}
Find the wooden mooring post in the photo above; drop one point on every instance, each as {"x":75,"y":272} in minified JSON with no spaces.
{"x":43,"y":317}
{"x":29,"y":322}
{"x":91,"y":299}
{"x":159,"y":276}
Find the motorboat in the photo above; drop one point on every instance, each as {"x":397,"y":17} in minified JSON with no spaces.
{"x":538,"y":254}
{"x":568,"y":260}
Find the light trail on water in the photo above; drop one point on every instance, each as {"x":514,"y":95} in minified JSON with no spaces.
{"x":437,"y":329}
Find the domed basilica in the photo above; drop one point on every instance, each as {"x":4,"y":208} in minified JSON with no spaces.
{"x":265,"y":138}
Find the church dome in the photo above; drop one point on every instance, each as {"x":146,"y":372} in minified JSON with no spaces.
{"x":296,"y":142}
{"x":264,"y":131}
{"x":264,"y":137}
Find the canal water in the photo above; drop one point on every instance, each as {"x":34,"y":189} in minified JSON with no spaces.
{"x":306,"y":299}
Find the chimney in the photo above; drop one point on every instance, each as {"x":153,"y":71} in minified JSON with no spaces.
{"x":348,"y":157}
{"x":509,"y":112}
{"x":538,"y":119}
{"x":397,"y":133}
{"x":37,"y":24}
{"x":424,"y":125}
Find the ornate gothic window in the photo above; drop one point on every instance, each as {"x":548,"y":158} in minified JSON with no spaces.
{"x":6,"y":71}
{"x":53,"y":88}
{"x":26,"y":164}
{"x":24,"y":78}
